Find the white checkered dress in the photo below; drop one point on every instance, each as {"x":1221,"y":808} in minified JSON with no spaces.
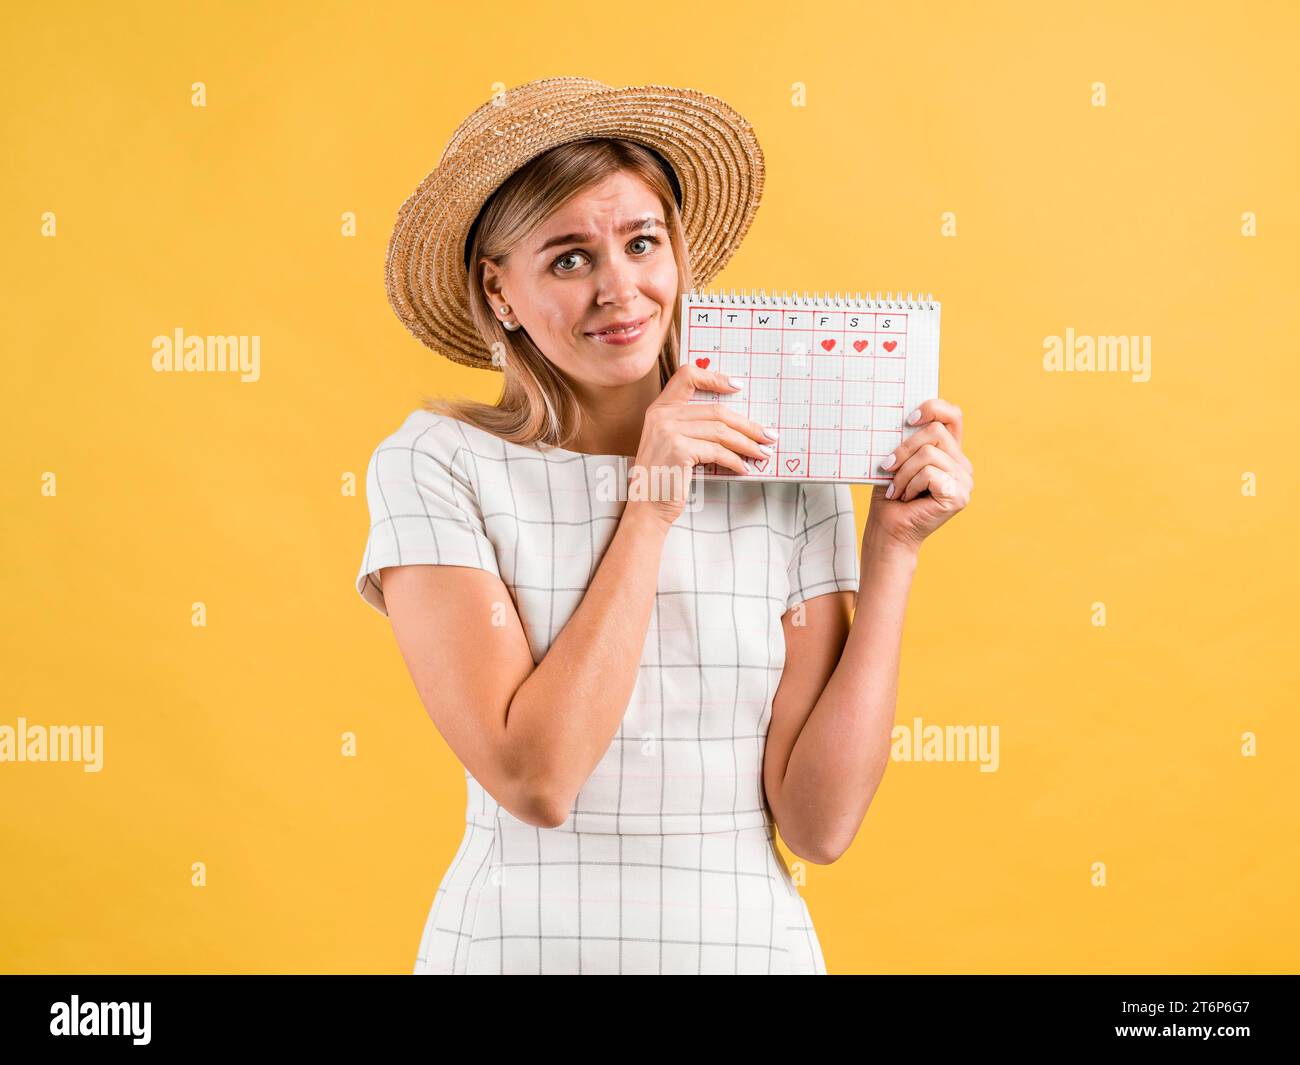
{"x":667,"y":861}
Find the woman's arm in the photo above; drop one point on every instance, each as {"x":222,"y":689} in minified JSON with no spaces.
{"x":833,"y":712}
{"x":566,"y":714}
{"x":533,"y":734}
{"x":530,"y":734}
{"x":563,"y":718}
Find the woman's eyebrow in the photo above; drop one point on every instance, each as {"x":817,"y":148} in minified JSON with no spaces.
{"x":635,"y":225}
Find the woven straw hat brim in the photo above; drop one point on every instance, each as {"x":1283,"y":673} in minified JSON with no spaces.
{"x":713,"y":149}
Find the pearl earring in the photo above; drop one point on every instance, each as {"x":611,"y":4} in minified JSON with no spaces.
{"x":512,"y":326}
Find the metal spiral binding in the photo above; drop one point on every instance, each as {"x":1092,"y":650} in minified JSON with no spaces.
{"x":852,"y":302}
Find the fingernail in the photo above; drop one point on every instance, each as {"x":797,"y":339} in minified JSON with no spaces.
{"x":766,"y":447}
{"x":889,"y":492}
{"x":888,"y":462}
{"x":772,"y":434}
{"x":914,"y":417}
{"x":736,"y":382}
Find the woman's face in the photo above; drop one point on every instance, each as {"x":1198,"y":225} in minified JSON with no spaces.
{"x":603,"y":259}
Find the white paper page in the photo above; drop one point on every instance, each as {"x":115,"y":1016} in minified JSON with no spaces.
{"x":836,"y":376}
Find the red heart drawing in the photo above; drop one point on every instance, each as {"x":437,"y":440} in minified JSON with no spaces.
{"x":828,"y":344}
{"x":791,"y":464}
{"x":858,"y":345}
{"x":701,"y":363}
{"x":760,"y":464}
{"x":890,"y":345}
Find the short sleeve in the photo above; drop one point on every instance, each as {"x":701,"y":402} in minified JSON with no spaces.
{"x":824,"y":555}
{"x":424,"y":509}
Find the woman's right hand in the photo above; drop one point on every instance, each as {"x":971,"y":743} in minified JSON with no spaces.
{"x":678,"y":435}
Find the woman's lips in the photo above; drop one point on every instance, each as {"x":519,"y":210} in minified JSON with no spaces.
{"x":629,"y":336}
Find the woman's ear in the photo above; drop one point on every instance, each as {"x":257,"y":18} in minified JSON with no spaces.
{"x":492,"y":280}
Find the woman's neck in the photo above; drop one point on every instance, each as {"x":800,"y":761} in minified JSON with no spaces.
{"x":612,"y":418}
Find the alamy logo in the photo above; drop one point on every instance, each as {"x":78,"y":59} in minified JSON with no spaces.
{"x":196,"y":354}
{"x":53,"y":743}
{"x":101,"y":1018}
{"x":1088,"y":354}
{"x":616,"y":481}
{"x":945,"y":743}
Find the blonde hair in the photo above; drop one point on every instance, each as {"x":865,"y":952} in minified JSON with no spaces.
{"x":536,"y":402}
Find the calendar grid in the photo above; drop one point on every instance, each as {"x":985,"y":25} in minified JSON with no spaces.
{"x":780,"y":448}
{"x":839,"y":463}
{"x":865,"y":363}
{"x":812,"y":420}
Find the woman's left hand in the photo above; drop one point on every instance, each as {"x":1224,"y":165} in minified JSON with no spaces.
{"x":932,"y":478}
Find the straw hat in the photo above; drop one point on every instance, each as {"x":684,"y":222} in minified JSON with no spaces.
{"x":709,"y":151}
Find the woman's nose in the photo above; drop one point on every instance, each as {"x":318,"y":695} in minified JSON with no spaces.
{"x":616,"y":282}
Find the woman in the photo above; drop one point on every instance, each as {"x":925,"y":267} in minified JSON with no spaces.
{"x":643,"y":676}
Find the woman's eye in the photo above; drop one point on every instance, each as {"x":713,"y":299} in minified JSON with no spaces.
{"x":571,"y":254}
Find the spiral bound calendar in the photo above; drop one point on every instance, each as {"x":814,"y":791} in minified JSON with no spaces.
{"x":836,"y":375}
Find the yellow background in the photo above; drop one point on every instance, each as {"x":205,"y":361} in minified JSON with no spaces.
{"x":1119,"y":744}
